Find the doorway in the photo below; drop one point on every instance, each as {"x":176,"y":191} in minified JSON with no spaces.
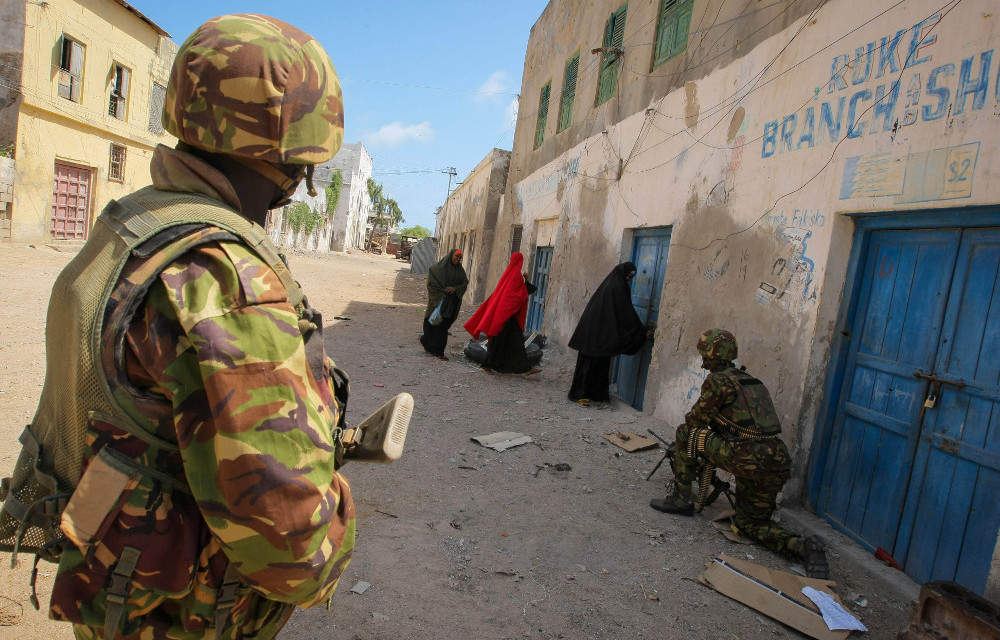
{"x":649,"y":254}
{"x":913,"y":460}
{"x":70,"y":203}
{"x":536,"y":302}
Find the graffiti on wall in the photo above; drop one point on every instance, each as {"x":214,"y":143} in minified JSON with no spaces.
{"x":789,"y":284}
{"x":851,"y":108}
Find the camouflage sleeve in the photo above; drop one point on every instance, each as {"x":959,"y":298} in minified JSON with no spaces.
{"x":716,"y":392}
{"x":255,"y":436}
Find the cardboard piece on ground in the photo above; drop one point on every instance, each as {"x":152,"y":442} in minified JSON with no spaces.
{"x":502,"y":440}
{"x":723,"y":523}
{"x":630,"y":441}
{"x":776,"y":594}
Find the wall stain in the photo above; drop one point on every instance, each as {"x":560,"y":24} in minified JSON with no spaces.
{"x":691,"y":107}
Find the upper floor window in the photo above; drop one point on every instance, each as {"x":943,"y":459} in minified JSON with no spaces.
{"x":614,"y":39}
{"x":116,"y":163}
{"x":543,"y":114}
{"x":568,"y":93}
{"x":157,"y":95}
{"x":71,"y":69}
{"x":119,"y":92}
{"x":672,"y":30}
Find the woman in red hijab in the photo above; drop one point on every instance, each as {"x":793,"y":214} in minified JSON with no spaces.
{"x":501,"y":318}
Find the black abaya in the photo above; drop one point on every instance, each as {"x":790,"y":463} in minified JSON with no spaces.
{"x":505,"y":351}
{"x":591,"y":378}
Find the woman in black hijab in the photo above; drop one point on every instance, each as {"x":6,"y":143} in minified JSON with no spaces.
{"x":609,"y":326}
{"x":446,"y":281}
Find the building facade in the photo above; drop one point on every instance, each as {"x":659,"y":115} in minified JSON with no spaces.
{"x":468,"y":219}
{"x":89,"y":97}
{"x":817,"y":177}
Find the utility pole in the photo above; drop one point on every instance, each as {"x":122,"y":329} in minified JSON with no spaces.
{"x":452,"y":172}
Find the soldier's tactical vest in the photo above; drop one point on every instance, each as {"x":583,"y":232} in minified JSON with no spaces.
{"x":753,"y":414}
{"x":85,"y":374}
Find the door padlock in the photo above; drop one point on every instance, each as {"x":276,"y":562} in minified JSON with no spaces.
{"x":930,"y":401}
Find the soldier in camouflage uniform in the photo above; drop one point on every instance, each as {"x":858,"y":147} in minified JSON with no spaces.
{"x":209,"y":504}
{"x":734,"y":426}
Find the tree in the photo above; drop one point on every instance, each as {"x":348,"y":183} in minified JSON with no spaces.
{"x":333,"y":192}
{"x":415,"y":231}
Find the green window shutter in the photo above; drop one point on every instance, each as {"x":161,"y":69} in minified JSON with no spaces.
{"x":672,"y":30}
{"x":614,"y":38}
{"x":543,"y":112}
{"x":568,"y":93}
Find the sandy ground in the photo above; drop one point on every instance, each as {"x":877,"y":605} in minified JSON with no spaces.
{"x":551,"y":539}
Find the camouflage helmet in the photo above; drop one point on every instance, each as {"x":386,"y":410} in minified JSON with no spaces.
{"x":255,"y":87}
{"x":717,"y":344}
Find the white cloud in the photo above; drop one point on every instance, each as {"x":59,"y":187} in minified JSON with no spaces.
{"x":397,"y":134}
{"x":497,"y":83}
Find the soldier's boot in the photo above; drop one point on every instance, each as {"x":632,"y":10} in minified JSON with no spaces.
{"x":680,"y":503}
{"x":814,"y":558}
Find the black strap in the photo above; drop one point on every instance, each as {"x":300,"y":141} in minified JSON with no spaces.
{"x":225,"y":599}
{"x":121,"y":584}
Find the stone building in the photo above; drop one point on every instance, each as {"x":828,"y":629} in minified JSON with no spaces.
{"x":81,"y":94}
{"x":818,"y":177}
{"x":468,"y":218}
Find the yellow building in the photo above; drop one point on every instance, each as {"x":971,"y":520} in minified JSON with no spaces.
{"x":93,"y":79}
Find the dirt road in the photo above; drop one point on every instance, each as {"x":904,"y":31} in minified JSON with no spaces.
{"x":550,"y":539}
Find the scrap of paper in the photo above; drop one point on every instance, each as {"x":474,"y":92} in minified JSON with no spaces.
{"x":835,"y":616}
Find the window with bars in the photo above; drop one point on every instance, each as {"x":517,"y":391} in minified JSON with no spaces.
{"x":614,"y":39}
{"x":568,"y":93}
{"x":157,"y":95}
{"x":543,"y":114}
{"x":71,"y":69}
{"x":515,"y":238}
{"x":671,"y":30}
{"x":116,"y":163}
{"x":119,"y":92}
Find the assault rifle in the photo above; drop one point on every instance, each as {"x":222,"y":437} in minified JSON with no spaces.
{"x":380,"y":436}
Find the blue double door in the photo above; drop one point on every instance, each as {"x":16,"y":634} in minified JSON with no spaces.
{"x":913,"y":463}
{"x":649,"y":254}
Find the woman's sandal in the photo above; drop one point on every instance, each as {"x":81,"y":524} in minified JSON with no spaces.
{"x":532,"y":372}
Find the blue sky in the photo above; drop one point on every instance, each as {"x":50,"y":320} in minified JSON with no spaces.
{"x":427,"y":86}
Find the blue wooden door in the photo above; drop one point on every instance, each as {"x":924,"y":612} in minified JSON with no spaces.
{"x":951,"y":515}
{"x":649,"y":254}
{"x":536,"y":302}
{"x":906,"y":471}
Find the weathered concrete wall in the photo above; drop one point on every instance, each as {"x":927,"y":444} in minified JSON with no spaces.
{"x":752,"y":164}
{"x":52,"y":128}
{"x":11,"y":56}
{"x":351,"y":217}
{"x":473,"y":208}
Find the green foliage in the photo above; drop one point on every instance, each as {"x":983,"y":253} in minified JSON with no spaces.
{"x":333,"y":192}
{"x":302,"y":218}
{"x":7,"y":150}
{"x":416,"y":231}
{"x":385,"y":210}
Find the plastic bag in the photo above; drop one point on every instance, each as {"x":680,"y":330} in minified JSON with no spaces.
{"x":436,"y":318}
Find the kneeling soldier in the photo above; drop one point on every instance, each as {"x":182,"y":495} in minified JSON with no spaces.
{"x":734,"y":426}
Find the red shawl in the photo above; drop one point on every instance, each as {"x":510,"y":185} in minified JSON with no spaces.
{"x":509,"y":298}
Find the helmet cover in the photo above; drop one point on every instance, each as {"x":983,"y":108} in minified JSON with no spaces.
{"x":717,"y":344}
{"x":256,"y":87}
